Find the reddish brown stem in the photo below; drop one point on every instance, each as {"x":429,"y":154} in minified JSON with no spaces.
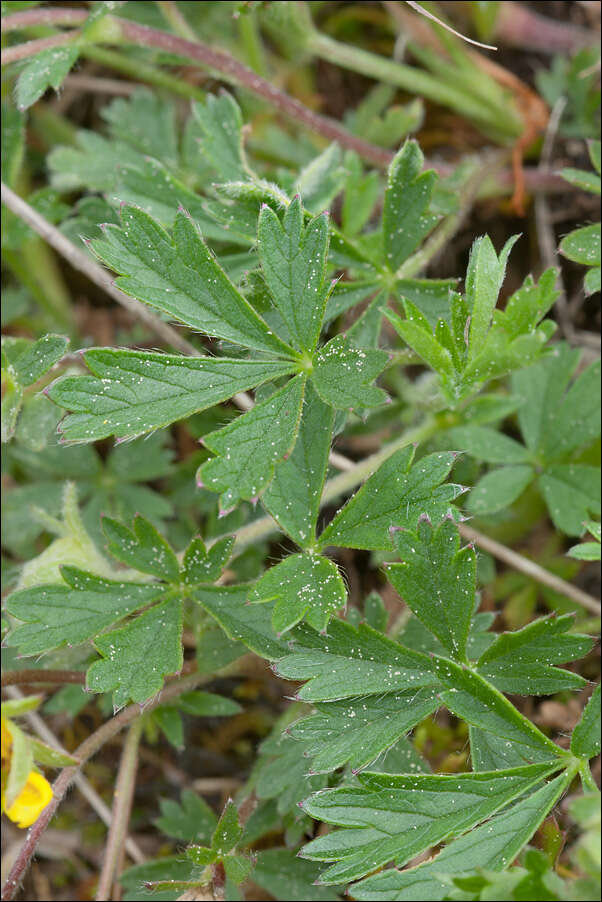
{"x":535,"y":179}
{"x":30,"y":48}
{"x":519,"y":26}
{"x":16,"y":677}
{"x":43,"y":16}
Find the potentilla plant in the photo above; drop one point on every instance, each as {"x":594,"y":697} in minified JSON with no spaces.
{"x":260,"y":275}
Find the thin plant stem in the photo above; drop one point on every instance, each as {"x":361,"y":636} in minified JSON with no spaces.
{"x":142,"y":71}
{"x":122,"y":807}
{"x":83,"y":753}
{"x":449,"y":226}
{"x":31,"y":48}
{"x":81,"y":261}
{"x":234,"y":71}
{"x":355,"y":473}
{"x":342,"y":483}
{"x":531,"y":569}
{"x":414,"y":80}
{"x":176,"y":20}
{"x":40,"y":727}
{"x":16,"y":677}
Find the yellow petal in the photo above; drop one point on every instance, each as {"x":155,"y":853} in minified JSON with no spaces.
{"x":31,"y":801}
{"x":7,"y":740}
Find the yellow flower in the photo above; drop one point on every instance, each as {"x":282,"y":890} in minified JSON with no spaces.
{"x":31,"y":801}
{"x":36,"y":793}
{"x":7,"y":741}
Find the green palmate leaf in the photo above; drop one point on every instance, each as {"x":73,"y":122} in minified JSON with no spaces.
{"x":394,"y":818}
{"x":66,"y":615}
{"x":293,"y":259}
{"x":238,"y":868}
{"x":219,"y":121}
{"x":346,"y":295}
{"x":490,"y":752}
{"x":144,"y":548}
{"x":281,"y":772}
{"x":499,"y":489}
{"x":484,"y":278}
{"x":136,"y":657}
{"x":13,"y":143}
{"x":321,"y":180}
{"x":492,"y":846}
{"x":37,"y":358}
{"x":23,"y":363}
{"x":293,"y":496}
{"x":350,"y":663}
{"x":304,"y":586}
{"x":588,"y":551}
{"x":592,"y":280}
{"x":583,"y":245}
{"x":145,"y":122}
{"x":249,"y":447}
{"x":361,"y":194}
{"x":251,"y":624}
{"x":585,"y":741}
{"x":437,"y":581}
{"x":521,"y":662}
{"x":49,"y":756}
{"x":394,"y":496}
{"x":45,"y":70}
{"x":572,"y":494}
{"x":133,"y":392}
{"x":169,"y":720}
{"x":283,"y":875}
{"x":181,"y":277}
{"x":342,"y":374}
{"x":585,"y":551}
{"x":586,"y":181}
{"x":417,"y":636}
{"x":12,"y":401}
{"x":529,"y":304}
{"x":201,"y":855}
{"x":472,"y":698}
{"x":192,"y":820}
{"x":554,"y":420}
{"x":205,"y":566}
{"x":489,"y":445}
{"x":359,"y":730}
{"x":416,"y":331}
{"x":504,"y":340}
{"x":228,"y":830}
{"x":206,"y":704}
{"x":406,"y":220}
